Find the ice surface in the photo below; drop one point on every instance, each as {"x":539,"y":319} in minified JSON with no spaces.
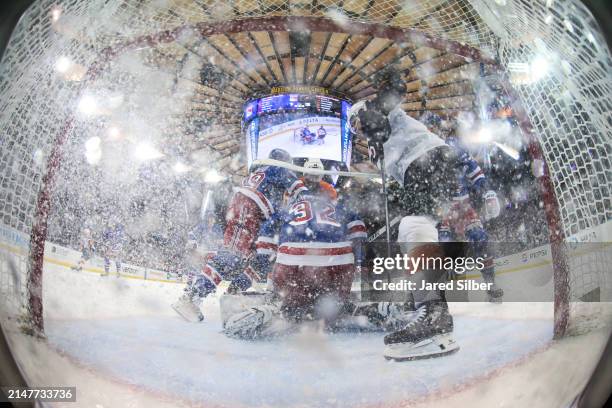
{"x":121,"y":344}
{"x":197,"y":362}
{"x":124,"y":330}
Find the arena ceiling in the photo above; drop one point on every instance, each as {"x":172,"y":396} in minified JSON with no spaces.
{"x":246,"y":49}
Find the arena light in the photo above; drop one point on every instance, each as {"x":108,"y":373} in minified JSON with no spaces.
{"x":484,"y":135}
{"x":180,"y":167}
{"x":510,"y":151}
{"x":212,"y":176}
{"x":55,"y":14}
{"x":63,"y":64}
{"x":69,"y":70}
{"x":539,"y":68}
{"x":145,"y":151}
{"x":93,"y":153}
{"x":93,"y":157}
{"x":114,"y":132}
{"x":88,"y":105}
{"x":520,"y":67}
{"x":93,"y":143}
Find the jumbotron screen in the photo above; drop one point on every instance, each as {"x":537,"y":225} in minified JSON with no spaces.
{"x":305,"y":125}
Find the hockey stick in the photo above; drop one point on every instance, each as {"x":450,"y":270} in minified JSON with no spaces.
{"x":382,"y":230}
{"x":298,"y":169}
{"x":384,"y":189}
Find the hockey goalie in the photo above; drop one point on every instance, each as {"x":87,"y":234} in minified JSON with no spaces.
{"x":311,"y":249}
{"x":258,"y":198}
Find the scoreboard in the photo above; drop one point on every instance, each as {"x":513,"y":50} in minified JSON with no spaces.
{"x":306,"y":125}
{"x":317,"y":104}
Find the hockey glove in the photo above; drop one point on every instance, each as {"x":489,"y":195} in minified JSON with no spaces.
{"x":376,"y":128}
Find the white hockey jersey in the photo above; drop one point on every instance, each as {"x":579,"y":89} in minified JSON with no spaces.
{"x":409,"y":140}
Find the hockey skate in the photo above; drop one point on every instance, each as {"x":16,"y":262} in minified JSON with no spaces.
{"x":188,"y":309}
{"x":386,"y":316}
{"x":428,"y":334}
{"x":495,"y":294}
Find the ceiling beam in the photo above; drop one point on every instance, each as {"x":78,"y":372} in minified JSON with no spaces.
{"x":368,"y":61}
{"x":278,"y":58}
{"x":263,"y":57}
{"x":335,"y":59}
{"x":353,"y":56}
{"x":323,"y":51}
{"x":245,"y":57}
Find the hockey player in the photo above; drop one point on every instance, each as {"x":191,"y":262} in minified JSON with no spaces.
{"x":318,"y":248}
{"x":426,"y":167}
{"x":86,"y":245}
{"x":321,"y":133}
{"x":461,"y":222}
{"x":258,"y":198}
{"x":204,"y":239}
{"x":430,"y":170}
{"x":113,"y":240}
{"x":315,"y":183}
{"x":306,"y":135}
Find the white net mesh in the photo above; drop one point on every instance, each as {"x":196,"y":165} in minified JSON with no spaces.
{"x":569,"y":107}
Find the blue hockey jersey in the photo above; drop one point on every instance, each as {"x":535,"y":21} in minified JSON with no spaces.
{"x":267,"y":186}
{"x":114,"y":238}
{"x":470,"y":175}
{"x":313,"y":231}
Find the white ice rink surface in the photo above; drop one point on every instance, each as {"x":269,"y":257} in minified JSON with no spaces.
{"x":118,"y":341}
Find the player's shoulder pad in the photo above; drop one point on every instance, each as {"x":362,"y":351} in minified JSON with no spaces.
{"x":329,"y":190}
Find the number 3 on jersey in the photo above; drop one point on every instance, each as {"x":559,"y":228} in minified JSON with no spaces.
{"x":255,"y":179}
{"x":302,"y":213}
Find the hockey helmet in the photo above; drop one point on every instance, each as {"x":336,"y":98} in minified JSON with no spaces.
{"x":280,"y":155}
{"x":315,"y":164}
{"x":391,"y":89}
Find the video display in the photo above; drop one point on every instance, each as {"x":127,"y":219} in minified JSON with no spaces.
{"x":312,"y":126}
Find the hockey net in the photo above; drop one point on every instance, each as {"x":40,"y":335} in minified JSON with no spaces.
{"x":565,"y":115}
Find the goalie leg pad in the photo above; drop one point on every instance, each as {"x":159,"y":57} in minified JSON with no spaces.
{"x":435,"y":346}
{"x":249,"y":325}
{"x":234,"y":303}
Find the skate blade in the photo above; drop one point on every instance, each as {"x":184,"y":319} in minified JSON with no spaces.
{"x":437,"y":346}
{"x":188,"y":315}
